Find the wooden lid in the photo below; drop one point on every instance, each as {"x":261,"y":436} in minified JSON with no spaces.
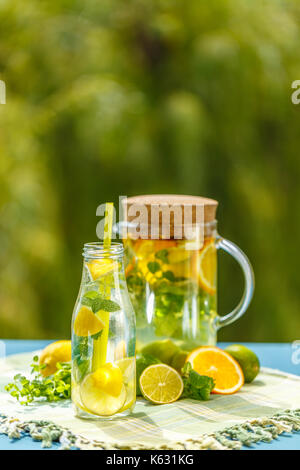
{"x":192,"y":204}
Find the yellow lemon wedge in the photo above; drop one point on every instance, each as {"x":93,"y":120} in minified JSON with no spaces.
{"x":101,"y":267}
{"x":87,"y":323}
{"x":206,"y":268}
{"x":161,"y":384}
{"x":103,"y":392}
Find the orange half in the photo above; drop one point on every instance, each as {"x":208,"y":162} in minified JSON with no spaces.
{"x":218,"y":364}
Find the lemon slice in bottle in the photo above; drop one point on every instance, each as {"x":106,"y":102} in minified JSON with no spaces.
{"x":127,"y":366}
{"x":103,"y":392}
{"x":161,"y":384}
{"x":87,"y":323}
{"x":101,"y":267}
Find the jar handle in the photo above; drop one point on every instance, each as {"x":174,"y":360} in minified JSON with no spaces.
{"x":244,"y":262}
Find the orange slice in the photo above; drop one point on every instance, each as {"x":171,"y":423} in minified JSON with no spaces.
{"x":164,"y":244}
{"x":87,"y":323}
{"x":129,"y":267}
{"x":218,"y":364}
{"x":206,"y":267}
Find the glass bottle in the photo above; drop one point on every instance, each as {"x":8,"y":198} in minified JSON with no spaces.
{"x":103,"y":336}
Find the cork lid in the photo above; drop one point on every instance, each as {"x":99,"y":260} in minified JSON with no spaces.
{"x":194,"y":209}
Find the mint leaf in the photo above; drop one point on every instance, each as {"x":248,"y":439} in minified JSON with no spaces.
{"x":169,"y":275}
{"x":196,"y":386}
{"x":109,"y":305}
{"x":97,"y":302}
{"x":89,"y":298}
{"x":162,"y":255}
{"x":92,"y":294}
{"x":53,"y":388}
{"x":135,"y":285}
{"x":97,"y":335}
{"x":153,"y":266}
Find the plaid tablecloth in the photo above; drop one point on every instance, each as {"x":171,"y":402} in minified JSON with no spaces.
{"x":260,"y":411}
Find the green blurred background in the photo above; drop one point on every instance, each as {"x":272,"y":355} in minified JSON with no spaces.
{"x":125,"y":97}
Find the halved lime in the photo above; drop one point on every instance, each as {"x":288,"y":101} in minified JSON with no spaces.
{"x":161,"y":384}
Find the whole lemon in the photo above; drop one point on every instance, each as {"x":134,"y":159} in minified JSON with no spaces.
{"x":59,"y":351}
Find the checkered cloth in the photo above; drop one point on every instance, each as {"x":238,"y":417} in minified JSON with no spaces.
{"x":156,"y":426}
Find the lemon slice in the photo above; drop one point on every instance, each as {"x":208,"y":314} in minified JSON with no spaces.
{"x":144,"y":248}
{"x":127,"y":366}
{"x":101,"y":267}
{"x":75,"y":393}
{"x":87,"y":323}
{"x":207,"y":268}
{"x":161,"y":384}
{"x":103,"y":392}
{"x":179,"y":255}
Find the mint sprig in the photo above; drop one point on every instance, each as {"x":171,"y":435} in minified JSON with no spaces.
{"x":153,"y":266}
{"x":196,"y":386}
{"x":162,"y":255}
{"x":97,"y":302}
{"x":53,"y":388}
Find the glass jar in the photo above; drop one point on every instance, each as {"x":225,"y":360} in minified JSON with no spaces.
{"x":103,"y":336}
{"x":173,"y":284}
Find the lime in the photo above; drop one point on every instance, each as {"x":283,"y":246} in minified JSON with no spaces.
{"x":161,"y":384}
{"x":178,"y":360}
{"x":143,"y":361}
{"x":247,"y":359}
{"x":164,"y":350}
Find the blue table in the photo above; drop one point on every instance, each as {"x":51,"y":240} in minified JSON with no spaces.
{"x":278,"y":356}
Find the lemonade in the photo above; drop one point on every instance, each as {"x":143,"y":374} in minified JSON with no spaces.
{"x":103,"y":337}
{"x":172,"y":284}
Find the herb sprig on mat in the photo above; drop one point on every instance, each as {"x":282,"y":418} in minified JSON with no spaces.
{"x":53,"y":388}
{"x":196,"y":386}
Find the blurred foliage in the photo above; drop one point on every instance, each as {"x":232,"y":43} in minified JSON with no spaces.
{"x":135,"y":96}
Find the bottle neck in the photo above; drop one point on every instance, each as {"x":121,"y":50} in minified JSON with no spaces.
{"x":97,"y":251}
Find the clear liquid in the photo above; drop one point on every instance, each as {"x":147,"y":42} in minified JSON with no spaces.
{"x":172,"y":285}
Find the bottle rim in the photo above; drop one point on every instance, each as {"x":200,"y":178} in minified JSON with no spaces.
{"x":97,"y":250}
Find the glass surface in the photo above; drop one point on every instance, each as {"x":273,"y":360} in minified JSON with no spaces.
{"x":103,"y":337}
{"x":173,"y":289}
{"x":172,"y":284}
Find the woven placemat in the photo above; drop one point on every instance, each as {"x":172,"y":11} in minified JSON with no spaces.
{"x":258,"y":412}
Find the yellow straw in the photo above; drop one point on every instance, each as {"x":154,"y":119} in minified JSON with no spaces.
{"x":108,"y":221}
{"x":100,"y":345}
